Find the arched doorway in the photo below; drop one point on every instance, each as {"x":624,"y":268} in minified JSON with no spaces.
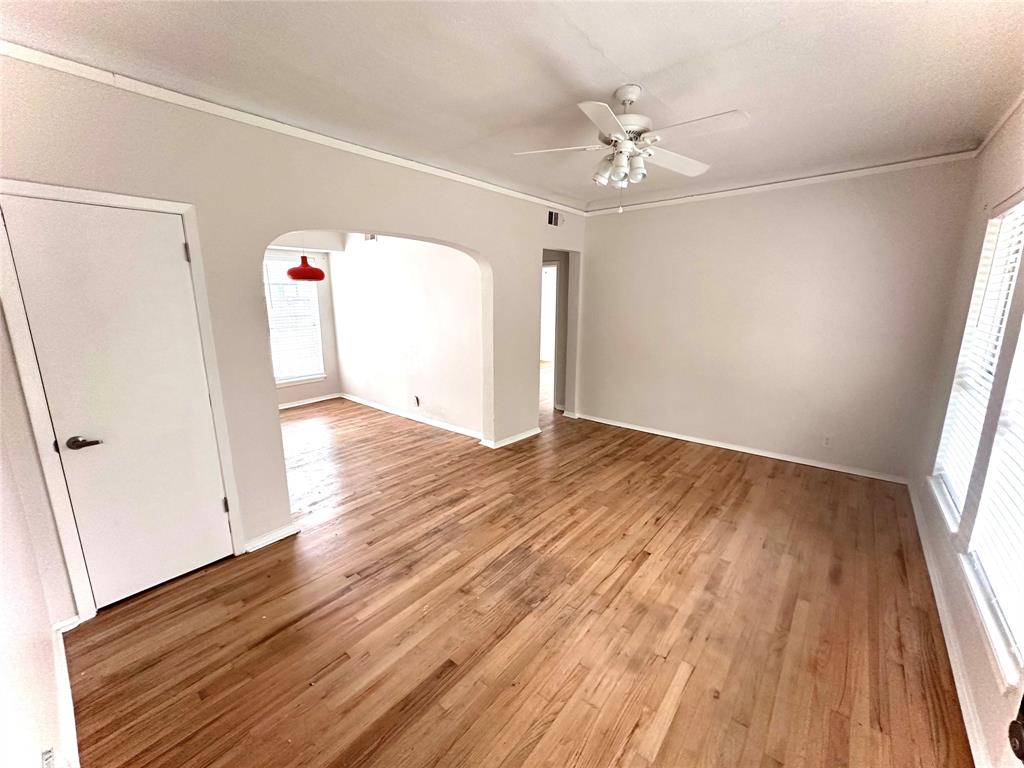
{"x":397,"y":324}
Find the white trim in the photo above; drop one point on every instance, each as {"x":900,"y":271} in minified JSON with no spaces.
{"x":509,"y":440}
{"x":945,"y":503}
{"x":217,"y":399}
{"x":754,"y":451}
{"x":309,"y":401}
{"x":1014,"y":106}
{"x":66,"y":625}
{"x":302,"y":380}
{"x":1003,"y":653}
{"x":89,"y":197}
{"x":412,"y":416}
{"x":799,"y":181}
{"x":271,"y":537}
{"x":570,"y":415}
{"x":66,"y":749}
{"x":32,"y":56}
{"x":114,"y":80}
{"x":951,"y":634}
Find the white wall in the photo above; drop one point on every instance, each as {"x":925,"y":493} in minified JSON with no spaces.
{"x":775,"y":319}
{"x":331,"y":383}
{"x":408,"y":319}
{"x":988,"y":706}
{"x":249,"y":186}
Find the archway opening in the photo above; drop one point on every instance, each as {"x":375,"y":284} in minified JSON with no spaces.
{"x":393,"y":335}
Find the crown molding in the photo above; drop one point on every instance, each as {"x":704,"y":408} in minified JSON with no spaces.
{"x":800,"y":181}
{"x":1017,"y":103}
{"x":122,"y":82}
{"x":67,"y":66}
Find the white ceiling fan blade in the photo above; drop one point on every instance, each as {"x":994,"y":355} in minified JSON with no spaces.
{"x":601,"y":115}
{"x":588,"y":148}
{"x":678,"y":163}
{"x":724,"y":121}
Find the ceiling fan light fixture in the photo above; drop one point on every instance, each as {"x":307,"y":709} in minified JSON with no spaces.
{"x":620,"y":166}
{"x":637,"y":171}
{"x":604,"y":171}
{"x":620,"y":183}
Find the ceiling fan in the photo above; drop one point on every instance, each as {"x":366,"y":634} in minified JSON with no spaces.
{"x":632,"y":141}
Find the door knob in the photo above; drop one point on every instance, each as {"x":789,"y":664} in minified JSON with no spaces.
{"x":78,"y":442}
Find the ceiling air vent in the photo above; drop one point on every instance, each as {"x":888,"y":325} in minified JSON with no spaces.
{"x":554,"y":218}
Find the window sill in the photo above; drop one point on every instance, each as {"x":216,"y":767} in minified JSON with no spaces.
{"x":1002,"y":650}
{"x":945,"y":503}
{"x":304,"y":380}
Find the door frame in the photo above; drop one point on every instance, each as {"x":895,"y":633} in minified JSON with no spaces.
{"x":35,"y":395}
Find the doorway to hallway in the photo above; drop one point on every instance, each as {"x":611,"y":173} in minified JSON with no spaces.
{"x":548,"y":336}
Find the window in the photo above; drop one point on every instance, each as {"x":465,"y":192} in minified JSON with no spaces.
{"x":997,"y":542}
{"x":293,"y":309}
{"x":976,"y":366}
{"x":981,"y":454}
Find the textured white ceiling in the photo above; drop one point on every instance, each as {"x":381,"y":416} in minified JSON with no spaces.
{"x":829,"y":86}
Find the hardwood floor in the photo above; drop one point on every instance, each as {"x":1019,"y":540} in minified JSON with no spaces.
{"x":591,"y":596}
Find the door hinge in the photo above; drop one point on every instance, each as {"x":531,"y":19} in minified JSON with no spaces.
{"x":226,"y":507}
{"x":56,"y":447}
{"x":188,"y":254}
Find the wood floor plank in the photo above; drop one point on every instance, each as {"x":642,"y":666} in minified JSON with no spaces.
{"x":589,"y":597}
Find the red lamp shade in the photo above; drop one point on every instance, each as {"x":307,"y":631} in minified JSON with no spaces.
{"x":305,"y":272}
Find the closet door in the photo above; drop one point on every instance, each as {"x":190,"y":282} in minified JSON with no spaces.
{"x":111,"y":309}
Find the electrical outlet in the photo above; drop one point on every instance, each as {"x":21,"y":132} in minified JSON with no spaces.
{"x":826,"y":441}
{"x":48,"y":761}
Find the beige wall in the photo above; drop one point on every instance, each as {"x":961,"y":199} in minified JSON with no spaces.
{"x":988,"y":706}
{"x":34,"y":693}
{"x":249,"y":186}
{"x":27,"y":475}
{"x":773,"y":320}
{"x":408,"y":317}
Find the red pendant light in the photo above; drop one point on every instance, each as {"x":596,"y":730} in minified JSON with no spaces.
{"x":305,"y":272}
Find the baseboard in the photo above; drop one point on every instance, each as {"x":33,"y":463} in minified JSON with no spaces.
{"x":309,"y":401}
{"x":950,"y":628}
{"x":269,"y":538}
{"x":509,"y":440}
{"x":570,"y":414}
{"x":412,"y":416}
{"x":66,"y":625}
{"x":746,"y":449}
{"x":66,"y":748}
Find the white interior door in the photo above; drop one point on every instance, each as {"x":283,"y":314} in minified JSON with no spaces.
{"x":108,"y":294}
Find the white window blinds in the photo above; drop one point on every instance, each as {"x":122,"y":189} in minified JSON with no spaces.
{"x":293,"y":309}
{"x":976,"y":366}
{"x":996,"y":548}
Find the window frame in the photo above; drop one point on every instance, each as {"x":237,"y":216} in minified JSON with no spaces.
{"x":292,"y":255}
{"x":1005,"y":652}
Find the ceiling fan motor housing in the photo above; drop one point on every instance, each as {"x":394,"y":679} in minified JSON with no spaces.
{"x":635,"y":125}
